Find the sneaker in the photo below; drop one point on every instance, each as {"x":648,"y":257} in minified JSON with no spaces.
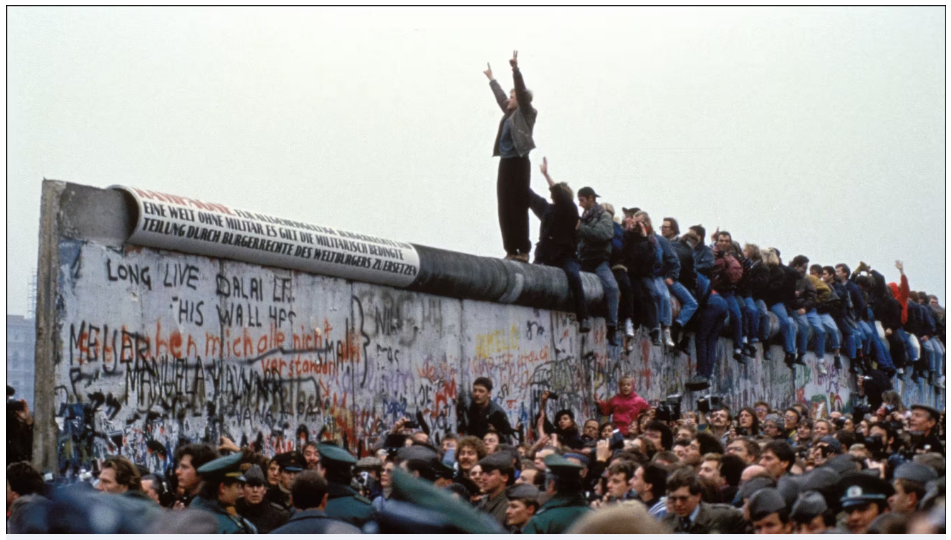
{"x":901,"y":371}
{"x":800,"y":359}
{"x":667,"y":339}
{"x":738,"y":356}
{"x":612,"y":336}
{"x":698,"y":382}
{"x":790,"y":360}
{"x":628,"y":328}
{"x":821,"y":366}
{"x":655,"y":337}
{"x":585,"y":326}
{"x":940,"y":382}
{"x":837,"y":362}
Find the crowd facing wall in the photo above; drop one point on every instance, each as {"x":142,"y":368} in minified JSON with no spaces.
{"x":151,"y":348}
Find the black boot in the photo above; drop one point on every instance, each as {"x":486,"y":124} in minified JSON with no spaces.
{"x":800,"y":359}
{"x":612,"y":336}
{"x":698,"y":382}
{"x":837,"y":362}
{"x":739,"y":357}
{"x":655,"y":337}
{"x":790,"y":360}
{"x":766,"y":354}
{"x":585,"y":326}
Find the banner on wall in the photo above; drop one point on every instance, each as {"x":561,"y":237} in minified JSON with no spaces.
{"x":217,"y":230}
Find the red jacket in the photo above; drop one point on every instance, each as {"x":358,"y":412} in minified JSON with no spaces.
{"x":901,"y":294}
{"x":623,"y":409}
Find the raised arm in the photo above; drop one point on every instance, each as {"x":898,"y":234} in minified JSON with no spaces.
{"x":500,"y":96}
{"x":521,"y":92}
{"x":544,"y":169}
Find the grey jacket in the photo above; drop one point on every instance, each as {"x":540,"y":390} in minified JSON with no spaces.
{"x":594,"y":236}
{"x":523,"y":118}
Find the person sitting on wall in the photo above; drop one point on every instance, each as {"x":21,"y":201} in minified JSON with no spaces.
{"x":558,"y":239}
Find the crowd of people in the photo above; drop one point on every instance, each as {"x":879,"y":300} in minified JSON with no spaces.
{"x":636,"y":468}
{"x":717,"y":285}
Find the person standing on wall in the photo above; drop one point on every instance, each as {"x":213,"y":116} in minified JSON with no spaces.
{"x":513,"y":142}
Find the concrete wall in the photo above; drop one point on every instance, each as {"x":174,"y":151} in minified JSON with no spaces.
{"x":150,"y":349}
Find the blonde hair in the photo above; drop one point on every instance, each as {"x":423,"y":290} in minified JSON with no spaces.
{"x":754,"y":251}
{"x":770,"y":257}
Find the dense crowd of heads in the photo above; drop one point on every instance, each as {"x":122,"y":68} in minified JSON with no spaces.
{"x":637,"y":467}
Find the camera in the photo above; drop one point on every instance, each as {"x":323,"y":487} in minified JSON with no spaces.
{"x":669,"y":409}
{"x":709,"y":403}
{"x":411,"y":424}
{"x":552,"y":395}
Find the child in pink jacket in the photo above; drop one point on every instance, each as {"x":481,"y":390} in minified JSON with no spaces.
{"x":625,"y":406}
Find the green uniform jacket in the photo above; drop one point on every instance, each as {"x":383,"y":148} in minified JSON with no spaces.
{"x":227,"y":523}
{"x":558,"y":514}
{"x":347,"y":505}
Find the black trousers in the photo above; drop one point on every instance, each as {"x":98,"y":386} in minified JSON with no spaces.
{"x":512,"y":189}
{"x":626,"y":304}
{"x":644,"y":311}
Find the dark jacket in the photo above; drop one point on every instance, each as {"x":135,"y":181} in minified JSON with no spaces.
{"x":345,"y":504}
{"x":558,"y":236}
{"x":888,"y":312}
{"x":666,"y":265}
{"x":857,"y":299}
{"x":558,"y":514}
{"x":913,"y":323}
{"x":712,"y":519}
{"x":594,"y":236}
{"x":756,"y":281}
{"x":617,"y":246}
{"x":639,"y":254}
{"x":477,"y":421}
{"x":314,"y":522}
{"x":688,"y":274}
{"x":266,"y":516}
{"x":807,"y":295}
{"x":227,"y":523}
{"x":703,"y":259}
{"x":928,"y":326}
{"x":523,"y":118}
{"x":781,"y":288}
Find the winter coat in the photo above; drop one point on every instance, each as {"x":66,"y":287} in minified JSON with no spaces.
{"x":727,"y":272}
{"x":639,"y":254}
{"x":688,"y":275}
{"x":757,"y":280}
{"x":703,"y":260}
{"x":594,"y":236}
{"x":558,"y":235}
{"x":807,"y":295}
{"x":667,"y":265}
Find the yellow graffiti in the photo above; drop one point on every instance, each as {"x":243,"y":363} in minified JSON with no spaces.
{"x":496,"y":342}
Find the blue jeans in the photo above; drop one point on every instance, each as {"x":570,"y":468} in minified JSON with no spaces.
{"x":572,"y":269}
{"x":611,"y":291}
{"x":810,"y":319}
{"x":878,"y":349}
{"x":763,"y":321}
{"x":688,"y":304}
{"x":938,"y":356}
{"x":850,"y":335}
{"x":751,"y":319}
{"x":865,"y":336}
{"x":712,"y":317}
{"x":661,"y":299}
{"x":786,"y":327}
{"x":909,"y":349}
{"x":927,"y":351}
{"x":832,"y":330}
{"x":703,"y":283}
{"x":736,"y":317}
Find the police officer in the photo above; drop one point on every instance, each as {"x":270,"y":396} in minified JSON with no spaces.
{"x":263,"y":514}
{"x":309,"y":492}
{"x":343,"y":502}
{"x":223,"y":486}
{"x":291,"y":464}
{"x":865,"y":497}
{"x":566,"y":505}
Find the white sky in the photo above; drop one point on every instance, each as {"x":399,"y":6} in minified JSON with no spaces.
{"x":816,"y":130}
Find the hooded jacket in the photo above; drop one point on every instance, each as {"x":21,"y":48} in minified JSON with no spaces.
{"x":900,"y":293}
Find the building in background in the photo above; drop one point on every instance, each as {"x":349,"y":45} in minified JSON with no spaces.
{"x":21,"y":349}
